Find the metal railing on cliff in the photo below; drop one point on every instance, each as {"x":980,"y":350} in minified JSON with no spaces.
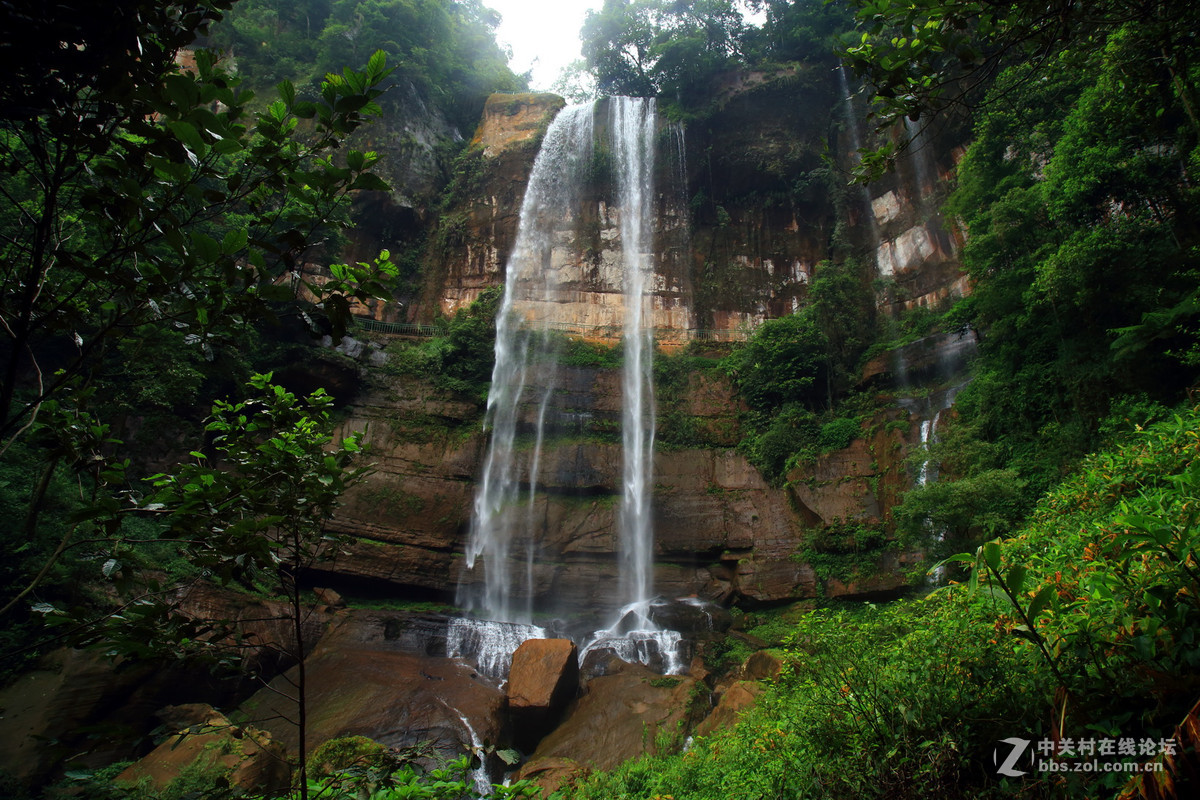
{"x":598,"y":331}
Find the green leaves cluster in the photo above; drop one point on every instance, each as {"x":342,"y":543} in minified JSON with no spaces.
{"x":797,"y":366}
{"x":443,"y":51}
{"x":677,"y":50}
{"x":166,"y":209}
{"x":1082,"y":254}
{"x":899,"y":701}
{"x":459,"y":359}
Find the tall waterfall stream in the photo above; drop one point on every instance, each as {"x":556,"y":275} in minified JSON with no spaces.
{"x":503,"y":536}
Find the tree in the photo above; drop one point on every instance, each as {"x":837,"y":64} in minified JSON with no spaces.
{"x":782,"y":363}
{"x":647,"y":47}
{"x":927,"y":57}
{"x":257,"y":510}
{"x":147,"y":201}
{"x":137,"y":197}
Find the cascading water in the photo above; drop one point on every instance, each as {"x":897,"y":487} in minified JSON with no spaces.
{"x":503,"y":532}
{"x":633,"y":126}
{"x":920,"y":155}
{"x":864,"y":196}
{"x":931,"y":413}
{"x":504,"y":504}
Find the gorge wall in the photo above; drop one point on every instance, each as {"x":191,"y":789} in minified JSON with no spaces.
{"x":748,"y":210}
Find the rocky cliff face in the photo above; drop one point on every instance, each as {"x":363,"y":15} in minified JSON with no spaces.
{"x":722,"y":532}
{"x":748,"y":210}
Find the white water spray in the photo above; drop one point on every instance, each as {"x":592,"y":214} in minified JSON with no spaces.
{"x":633,"y":125}
{"x":504,"y":505}
{"x":864,"y":196}
{"x":503,"y":538}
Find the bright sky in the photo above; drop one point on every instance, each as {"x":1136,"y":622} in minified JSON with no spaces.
{"x":544,"y":36}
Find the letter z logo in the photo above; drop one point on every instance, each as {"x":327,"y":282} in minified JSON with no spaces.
{"x":1019,"y":746}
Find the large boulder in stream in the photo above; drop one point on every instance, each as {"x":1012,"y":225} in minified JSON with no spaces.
{"x":543,"y":679}
{"x":360,"y":683}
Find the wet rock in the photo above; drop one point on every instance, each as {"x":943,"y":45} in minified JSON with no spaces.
{"x":361,"y":684}
{"x":600,"y":663}
{"x":543,"y":679}
{"x":329,"y":597}
{"x":552,"y":773}
{"x":246,"y":756}
{"x":732,"y":704}
{"x":763,"y":665}
{"x":49,"y":713}
{"x":691,"y":617}
{"x":620,"y":717}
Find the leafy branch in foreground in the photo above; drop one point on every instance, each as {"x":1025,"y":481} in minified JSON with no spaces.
{"x":252,"y":513}
{"x":153,"y":201}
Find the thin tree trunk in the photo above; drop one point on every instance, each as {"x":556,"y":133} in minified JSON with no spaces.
{"x":293,"y":585}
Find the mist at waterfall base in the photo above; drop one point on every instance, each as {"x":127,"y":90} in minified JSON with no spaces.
{"x":500,"y":580}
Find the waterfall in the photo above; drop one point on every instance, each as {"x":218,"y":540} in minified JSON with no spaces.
{"x":633,"y":125}
{"x":864,"y":196}
{"x":504,"y":510}
{"x":928,"y":471}
{"x":502,"y":549}
{"x":479,"y":774}
{"x":920,"y":156}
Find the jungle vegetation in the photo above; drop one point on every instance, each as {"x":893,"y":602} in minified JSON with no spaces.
{"x":154,"y":219}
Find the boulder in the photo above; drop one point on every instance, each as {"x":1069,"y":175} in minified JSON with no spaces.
{"x":363,"y":685}
{"x":543,"y":679}
{"x":732,"y":704}
{"x":690,"y":617}
{"x":50,"y":713}
{"x":329,"y":597}
{"x":622,"y":715}
{"x":763,"y":665}
{"x":244,"y":756}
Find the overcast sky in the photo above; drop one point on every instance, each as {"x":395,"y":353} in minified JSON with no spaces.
{"x":544,"y":36}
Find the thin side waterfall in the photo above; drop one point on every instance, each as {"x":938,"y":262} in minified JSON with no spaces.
{"x":934,"y":406}
{"x":920,"y":155}
{"x":505,"y":498}
{"x":864,"y":196}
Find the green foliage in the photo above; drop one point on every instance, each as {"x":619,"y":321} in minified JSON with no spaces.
{"x":678,"y":50}
{"x":459,"y":359}
{"x":204,"y":777}
{"x":444,"y":51}
{"x":797,"y":366}
{"x":149,"y":201}
{"x":573,"y":352}
{"x":726,"y":653}
{"x":838,"y":433}
{"x":1081,"y":625}
{"x":927,"y":56}
{"x":984,"y":505}
{"x":250,"y":513}
{"x":844,"y":550}
{"x":1084,"y":270}
{"x":1102,"y":582}
{"x":380,"y":774}
{"x":783,"y":363}
{"x":900,"y":702}
{"x":776,"y":443}
{"x":342,"y":754}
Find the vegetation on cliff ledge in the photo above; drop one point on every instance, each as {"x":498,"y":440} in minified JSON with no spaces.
{"x":1077,"y":631}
